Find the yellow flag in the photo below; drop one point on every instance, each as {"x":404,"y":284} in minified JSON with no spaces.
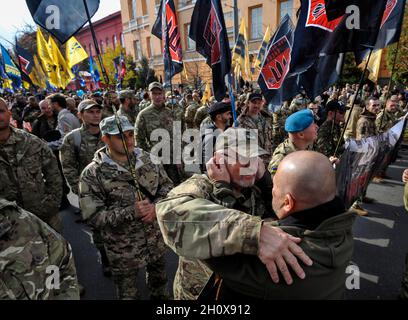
{"x":46,"y":59}
{"x":240,"y":54}
{"x":64,"y":72}
{"x":7,"y":84}
{"x":37,"y":76}
{"x":373,"y":65}
{"x":74,"y":52}
{"x":262,"y":50}
{"x":207,"y":94}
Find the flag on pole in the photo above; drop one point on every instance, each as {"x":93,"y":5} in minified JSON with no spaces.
{"x":207,"y":94}
{"x":46,"y":58}
{"x":208,"y":30}
{"x":64,"y":73}
{"x":240,"y":53}
{"x":262,"y":50}
{"x":61,"y":18}
{"x":373,"y":66}
{"x":94,"y":71}
{"x":166,"y":29}
{"x":11,"y":69}
{"x":75,"y":53}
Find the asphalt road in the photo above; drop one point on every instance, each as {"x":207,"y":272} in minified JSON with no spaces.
{"x":380,"y":246}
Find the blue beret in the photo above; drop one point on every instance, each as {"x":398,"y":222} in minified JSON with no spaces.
{"x":299,"y":121}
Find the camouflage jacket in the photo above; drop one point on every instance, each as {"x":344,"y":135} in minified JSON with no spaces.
{"x":107,"y":111}
{"x":264,"y":127}
{"x":278,"y":127}
{"x":200,"y":115}
{"x":74,"y":158}
{"x":366,"y":126}
{"x":327,"y":139}
{"x":177,"y":112}
{"x":350,"y":132}
{"x":202,"y":219}
{"x":150,"y":119}
{"x":31,"y":253}
{"x":144,"y":104}
{"x":190,"y":114}
{"x":386,"y":122}
{"x":281,"y":152}
{"x":107,"y":198}
{"x":29,"y":175}
{"x":131,"y":115}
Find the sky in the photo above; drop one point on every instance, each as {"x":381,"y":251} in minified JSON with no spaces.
{"x":16,"y":14}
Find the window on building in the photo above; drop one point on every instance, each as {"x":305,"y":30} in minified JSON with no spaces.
{"x":185,"y":3}
{"x":148,"y":47}
{"x":85,"y":49}
{"x":285,"y":7}
{"x":132,"y":9}
{"x":190,"y":44}
{"x":122,"y":40}
{"x":138,"y":50}
{"x":90,"y":49}
{"x":107,"y":43}
{"x":144,"y":8}
{"x":255,"y":23}
{"x":102,"y":46}
{"x":114,"y":41}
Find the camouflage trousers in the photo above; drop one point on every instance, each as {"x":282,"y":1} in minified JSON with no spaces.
{"x":404,"y":289}
{"x":156,"y":280}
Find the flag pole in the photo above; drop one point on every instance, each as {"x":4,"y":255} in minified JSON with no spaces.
{"x":354,"y":101}
{"x":390,"y":82}
{"x":98,"y":52}
{"x":231,"y":92}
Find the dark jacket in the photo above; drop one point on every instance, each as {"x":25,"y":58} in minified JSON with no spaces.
{"x":42,"y":129}
{"x":326,"y":233}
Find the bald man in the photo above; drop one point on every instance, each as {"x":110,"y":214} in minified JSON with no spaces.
{"x":304,"y":200}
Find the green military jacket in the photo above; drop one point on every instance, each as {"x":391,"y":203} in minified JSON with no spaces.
{"x":152,"y":118}
{"x":131,"y":115}
{"x":281,"y":152}
{"x":200,"y":115}
{"x":366,"y":126}
{"x":107,"y":199}
{"x":327,"y":139}
{"x":201,"y":219}
{"x":264,"y":127}
{"x":385,"y":120}
{"x":329,"y":246}
{"x":33,"y":257}
{"x":190,"y":114}
{"x":30,"y":176}
{"x":74,"y":158}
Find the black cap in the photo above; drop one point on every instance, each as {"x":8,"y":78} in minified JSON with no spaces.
{"x":335,"y":106}
{"x":219,"y":108}
{"x":255,"y":96}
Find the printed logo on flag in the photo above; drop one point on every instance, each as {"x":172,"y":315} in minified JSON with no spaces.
{"x":389,"y":8}
{"x":24,"y":63}
{"x":317,"y":16}
{"x":174,"y":35}
{"x":277,"y":63}
{"x":212,"y":35}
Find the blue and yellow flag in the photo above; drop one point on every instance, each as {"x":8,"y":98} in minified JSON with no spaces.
{"x":240,"y":54}
{"x":10,"y":68}
{"x":75,"y":53}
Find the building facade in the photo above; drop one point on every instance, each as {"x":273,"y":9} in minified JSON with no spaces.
{"x":109,"y":32}
{"x":139,"y":16}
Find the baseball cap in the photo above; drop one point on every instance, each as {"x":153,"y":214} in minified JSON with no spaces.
{"x":88,"y":104}
{"x":243,"y":141}
{"x":109,"y":125}
{"x":255,"y":96}
{"x":219,"y":108}
{"x":155,"y":85}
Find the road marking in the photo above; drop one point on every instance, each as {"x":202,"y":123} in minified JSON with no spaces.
{"x":375,"y":242}
{"x":386,"y":222}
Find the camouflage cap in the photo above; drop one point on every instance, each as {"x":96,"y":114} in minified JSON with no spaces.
{"x":88,"y":104}
{"x":109,"y":126}
{"x":242,"y":141}
{"x":126,"y":94}
{"x":155,"y":85}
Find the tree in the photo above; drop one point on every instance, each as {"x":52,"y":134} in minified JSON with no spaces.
{"x":401,"y":66}
{"x":351,"y":73}
{"x":144,"y":74}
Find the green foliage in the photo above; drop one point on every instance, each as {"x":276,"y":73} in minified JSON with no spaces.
{"x":144,"y":74}
{"x":401,"y":66}
{"x":351,"y":73}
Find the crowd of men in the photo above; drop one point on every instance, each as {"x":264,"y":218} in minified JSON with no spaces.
{"x":237,"y":234}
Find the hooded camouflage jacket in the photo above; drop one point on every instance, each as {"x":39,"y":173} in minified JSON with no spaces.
{"x":30,"y":176}
{"x":202,"y":219}
{"x":366,"y":126}
{"x":386,"y":122}
{"x":31,"y":253}
{"x":107,"y":199}
{"x":74,"y":158}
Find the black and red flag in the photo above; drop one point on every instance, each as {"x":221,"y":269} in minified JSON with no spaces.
{"x":25,"y":63}
{"x":166,"y":29}
{"x":273,"y":77}
{"x":208,"y":30}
